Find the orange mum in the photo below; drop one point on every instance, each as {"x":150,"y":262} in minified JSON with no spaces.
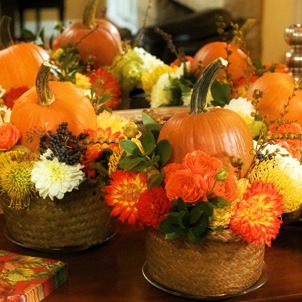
{"x":106,"y":84}
{"x":124,"y":192}
{"x":256,"y":217}
{"x":152,"y":206}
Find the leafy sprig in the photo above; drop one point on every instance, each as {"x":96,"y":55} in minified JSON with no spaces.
{"x":154,"y":154}
{"x":192,"y":220}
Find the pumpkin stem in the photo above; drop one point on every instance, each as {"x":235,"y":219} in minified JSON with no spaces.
{"x":45,"y":96}
{"x":5,"y":35}
{"x":203,"y":84}
{"x":89,"y":13}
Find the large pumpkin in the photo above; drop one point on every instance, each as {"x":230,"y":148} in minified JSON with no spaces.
{"x":96,"y":38}
{"x":48,"y":104}
{"x":219,"y":132}
{"x":19,"y":63}
{"x":277,"y":90}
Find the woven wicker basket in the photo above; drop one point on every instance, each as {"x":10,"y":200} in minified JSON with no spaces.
{"x":80,"y":220}
{"x":218,"y":266}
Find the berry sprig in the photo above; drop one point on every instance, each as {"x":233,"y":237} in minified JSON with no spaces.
{"x":65,"y":146}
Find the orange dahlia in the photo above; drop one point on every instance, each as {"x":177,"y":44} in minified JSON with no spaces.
{"x":124,"y":192}
{"x":152,"y":206}
{"x":257,"y":215}
{"x":106,"y":84}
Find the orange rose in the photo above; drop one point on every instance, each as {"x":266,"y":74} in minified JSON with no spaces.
{"x":202,"y":163}
{"x":9,"y":136}
{"x":187,"y":185}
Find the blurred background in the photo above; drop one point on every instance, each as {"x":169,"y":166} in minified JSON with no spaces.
{"x":190,"y":21}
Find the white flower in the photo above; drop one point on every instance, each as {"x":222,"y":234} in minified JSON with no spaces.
{"x":2,"y":91}
{"x":242,"y":106}
{"x":160,"y":95}
{"x":53,"y":178}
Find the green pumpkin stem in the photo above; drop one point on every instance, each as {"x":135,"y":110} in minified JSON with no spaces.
{"x":45,"y":96}
{"x":5,"y":35}
{"x":89,"y":13}
{"x":203,"y":85}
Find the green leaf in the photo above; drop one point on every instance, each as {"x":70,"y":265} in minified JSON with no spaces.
{"x":195,"y":214}
{"x":172,"y":235}
{"x":167,"y":226}
{"x":221,"y":94}
{"x":128,"y":163}
{"x":164,"y":150}
{"x":207,"y":209}
{"x":181,"y":206}
{"x":130,"y":147}
{"x":183,"y":219}
{"x":149,"y":122}
{"x":193,"y":237}
{"x":148,"y":143}
{"x":219,"y":202}
{"x":156,"y":180}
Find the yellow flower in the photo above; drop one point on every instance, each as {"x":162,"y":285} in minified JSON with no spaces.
{"x":149,"y":78}
{"x":286,"y":174}
{"x":117,"y":123}
{"x":81,"y":81}
{"x":15,"y":177}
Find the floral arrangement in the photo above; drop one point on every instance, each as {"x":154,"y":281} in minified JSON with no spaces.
{"x":63,"y":160}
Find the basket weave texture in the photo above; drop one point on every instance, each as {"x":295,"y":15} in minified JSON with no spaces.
{"x":218,"y":266}
{"x":80,"y":219}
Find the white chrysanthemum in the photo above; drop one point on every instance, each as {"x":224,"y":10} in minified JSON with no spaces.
{"x":186,"y":98}
{"x":53,"y":178}
{"x":160,"y":95}
{"x":5,"y":114}
{"x":242,"y":106}
{"x":150,"y":61}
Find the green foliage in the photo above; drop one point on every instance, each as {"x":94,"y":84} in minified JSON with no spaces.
{"x":221,"y":93}
{"x":154,"y":156}
{"x":192,"y":220}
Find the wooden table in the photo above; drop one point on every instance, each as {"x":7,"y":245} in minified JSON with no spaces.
{"x":113,"y":271}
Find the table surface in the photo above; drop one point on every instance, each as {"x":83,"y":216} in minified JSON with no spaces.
{"x":113,"y":271}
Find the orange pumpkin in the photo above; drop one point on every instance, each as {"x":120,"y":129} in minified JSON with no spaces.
{"x":96,"y":38}
{"x":48,"y":104}
{"x":219,"y":132}
{"x":19,"y":63}
{"x":277,"y":88}
{"x":238,"y":61}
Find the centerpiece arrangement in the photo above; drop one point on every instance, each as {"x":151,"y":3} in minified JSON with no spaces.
{"x":209,"y":196}
{"x":211,"y":184}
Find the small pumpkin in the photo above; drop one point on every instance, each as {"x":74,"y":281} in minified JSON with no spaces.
{"x":19,"y":63}
{"x":96,"y":38}
{"x":219,"y":132}
{"x":239,"y":63}
{"x":48,"y":104}
{"x":277,"y":88}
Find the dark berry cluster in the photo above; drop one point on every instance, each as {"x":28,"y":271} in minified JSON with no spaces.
{"x":262,"y":157}
{"x":65,"y":146}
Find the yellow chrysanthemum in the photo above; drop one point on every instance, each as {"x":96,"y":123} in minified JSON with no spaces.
{"x":117,"y":123}
{"x":222,"y":216}
{"x":15,"y":179}
{"x":81,"y":81}
{"x":149,"y":78}
{"x":286,"y":174}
